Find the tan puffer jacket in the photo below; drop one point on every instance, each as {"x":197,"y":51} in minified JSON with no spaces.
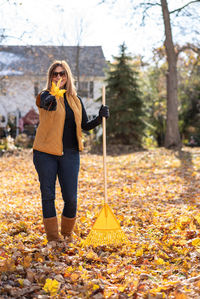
{"x":49,"y":133}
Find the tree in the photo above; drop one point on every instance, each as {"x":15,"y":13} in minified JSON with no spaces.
{"x":79,"y":33}
{"x":189,"y":93}
{"x":4,"y":32}
{"x":123,"y":97}
{"x":153,"y":87}
{"x":172,"y":136}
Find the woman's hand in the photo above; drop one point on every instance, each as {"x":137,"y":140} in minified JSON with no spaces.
{"x":48,"y":102}
{"x":104,"y":111}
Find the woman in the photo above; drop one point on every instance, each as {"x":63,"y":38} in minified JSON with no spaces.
{"x":56,"y":147}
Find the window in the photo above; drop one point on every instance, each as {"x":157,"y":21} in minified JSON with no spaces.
{"x":36,"y":88}
{"x":91,"y":89}
{"x":83,"y":89}
{"x":86,"y":89}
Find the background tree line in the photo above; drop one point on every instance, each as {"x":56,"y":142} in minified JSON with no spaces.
{"x":137,"y":97}
{"x":172,"y":136}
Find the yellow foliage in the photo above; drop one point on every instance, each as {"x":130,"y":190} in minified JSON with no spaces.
{"x":154,"y":194}
{"x":183,"y":221}
{"x":95,"y":287}
{"x":21,"y":282}
{"x":196,"y":242}
{"x":121,"y":289}
{"x":74,"y":276}
{"x":51,"y":286}
{"x":27,"y":261}
{"x":197,"y":217}
{"x":91,"y":255}
{"x":69,"y":269}
{"x":180,"y":296}
{"x":139,"y":252}
{"x":160,"y":261}
{"x":56,"y":91}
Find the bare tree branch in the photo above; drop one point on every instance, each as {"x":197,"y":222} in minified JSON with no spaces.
{"x":187,"y":47}
{"x":180,"y":8}
{"x":146,"y":8}
{"x":150,"y":4}
{"x":104,"y":1}
{"x":4,"y":36}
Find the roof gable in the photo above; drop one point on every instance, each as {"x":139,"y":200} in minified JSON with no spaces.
{"x":35,"y":60}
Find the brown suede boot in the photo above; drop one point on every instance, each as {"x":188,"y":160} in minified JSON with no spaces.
{"x":67,"y":225}
{"x":51,"y":228}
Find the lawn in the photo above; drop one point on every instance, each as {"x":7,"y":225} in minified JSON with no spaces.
{"x":155,"y":196}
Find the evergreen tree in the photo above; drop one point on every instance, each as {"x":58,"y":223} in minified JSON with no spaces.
{"x":123,"y":98}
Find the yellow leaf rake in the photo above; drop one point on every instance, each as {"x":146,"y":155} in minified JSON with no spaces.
{"x":106,"y":229}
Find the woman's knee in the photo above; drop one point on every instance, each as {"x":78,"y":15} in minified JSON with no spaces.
{"x":48,"y":208}
{"x":47,"y":191}
{"x":70,"y":208}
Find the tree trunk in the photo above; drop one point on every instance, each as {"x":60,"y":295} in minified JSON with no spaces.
{"x":172,"y":136}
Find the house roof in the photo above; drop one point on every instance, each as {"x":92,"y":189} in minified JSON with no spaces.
{"x":35,"y":60}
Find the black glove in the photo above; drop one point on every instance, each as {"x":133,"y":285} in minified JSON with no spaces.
{"x":104,"y":111}
{"x":49,"y":103}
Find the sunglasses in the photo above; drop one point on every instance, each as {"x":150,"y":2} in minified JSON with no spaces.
{"x":62,"y":74}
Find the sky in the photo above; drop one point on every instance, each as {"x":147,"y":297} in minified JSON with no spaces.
{"x":67,"y":22}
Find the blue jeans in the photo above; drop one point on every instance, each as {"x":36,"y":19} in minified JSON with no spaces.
{"x":66,"y":167}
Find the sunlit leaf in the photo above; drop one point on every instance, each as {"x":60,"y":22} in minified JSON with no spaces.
{"x":55,"y":89}
{"x":51,"y":286}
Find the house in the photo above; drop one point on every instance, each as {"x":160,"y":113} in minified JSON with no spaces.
{"x":23,"y":71}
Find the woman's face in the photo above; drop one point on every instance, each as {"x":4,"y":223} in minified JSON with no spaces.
{"x":59,"y":73}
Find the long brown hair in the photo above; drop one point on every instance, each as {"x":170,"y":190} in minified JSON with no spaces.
{"x":69,"y":86}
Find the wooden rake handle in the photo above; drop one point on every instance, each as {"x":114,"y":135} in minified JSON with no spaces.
{"x":104,"y":146}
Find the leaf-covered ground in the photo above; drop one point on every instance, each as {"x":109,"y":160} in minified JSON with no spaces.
{"x":154,"y":194}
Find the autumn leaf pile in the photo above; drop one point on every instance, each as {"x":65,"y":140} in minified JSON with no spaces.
{"x":154,"y":194}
